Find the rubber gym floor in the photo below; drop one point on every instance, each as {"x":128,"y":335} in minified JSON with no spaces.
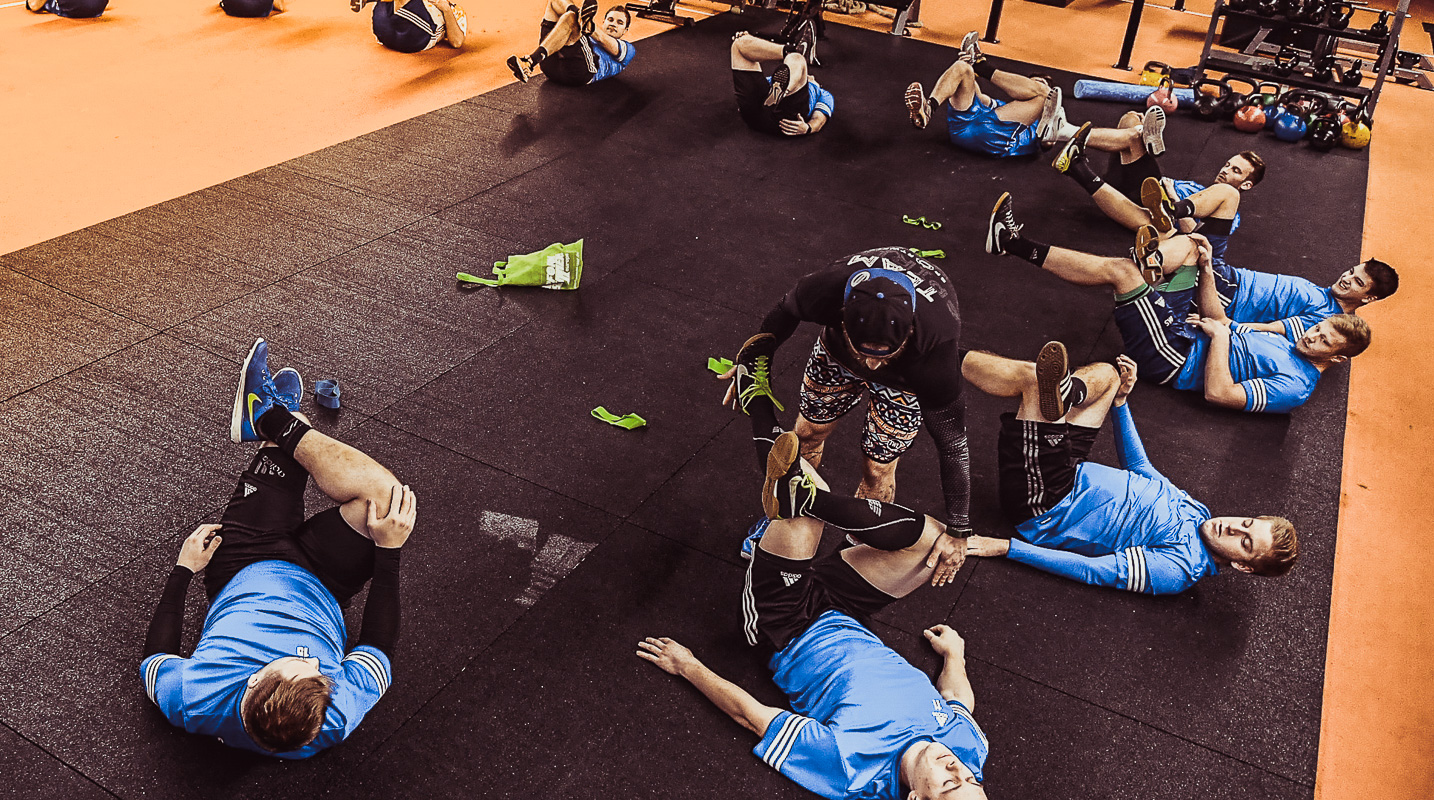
{"x":288,"y":178}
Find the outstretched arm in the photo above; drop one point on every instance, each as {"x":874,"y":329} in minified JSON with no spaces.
{"x":1129,"y":449}
{"x":167,"y":627}
{"x":1147,"y":570}
{"x":947,"y":425}
{"x":952,"y":683}
{"x":382,"y":611}
{"x":674,"y":659}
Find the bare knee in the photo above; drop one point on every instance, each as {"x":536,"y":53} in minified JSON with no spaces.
{"x":1130,"y":119}
{"x":1100,"y":379}
{"x":962,"y":72}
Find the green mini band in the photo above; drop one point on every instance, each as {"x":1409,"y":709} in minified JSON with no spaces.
{"x":627,"y":421}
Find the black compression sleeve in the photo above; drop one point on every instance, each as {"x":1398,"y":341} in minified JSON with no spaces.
{"x":885,"y":526}
{"x":948,"y":427}
{"x":781,"y":322}
{"x":381,"y":612}
{"x":167,"y":626}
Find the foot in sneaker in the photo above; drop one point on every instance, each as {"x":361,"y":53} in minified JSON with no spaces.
{"x":1073,"y":150}
{"x":1003,"y":227}
{"x":587,"y":16}
{"x":780,"y":77}
{"x":1146,"y":254}
{"x":754,"y":535}
{"x":918,"y":106}
{"x":288,"y":388}
{"x":970,"y":48}
{"x":1152,"y":130}
{"x":1052,"y":117}
{"x":787,"y":491}
{"x":803,"y":41}
{"x":522,"y":68}
{"x":1159,"y":203}
{"x":255,"y":395}
{"x":752,"y":372}
{"x":356,"y":5}
{"x":1052,"y":368}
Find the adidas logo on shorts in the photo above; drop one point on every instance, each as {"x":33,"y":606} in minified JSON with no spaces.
{"x":249,"y":489}
{"x":874,"y":505}
{"x":267,"y":467}
{"x":790,"y":578}
{"x":1054,"y":439}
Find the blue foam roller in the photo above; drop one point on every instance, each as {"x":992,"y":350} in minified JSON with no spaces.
{"x":1132,"y":93}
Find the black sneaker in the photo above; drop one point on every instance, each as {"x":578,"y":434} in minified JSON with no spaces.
{"x":803,"y":41}
{"x":780,"y":78}
{"x":1003,"y":227}
{"x":587,"y":17}
{"x":788,"y":490}
{"x":753,"y":375}
{"x":521,"y":66}
{"x":1052,"y":379}
{"x":1072,"y":151}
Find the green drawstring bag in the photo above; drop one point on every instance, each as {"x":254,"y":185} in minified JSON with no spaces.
{"x":557,"y":266}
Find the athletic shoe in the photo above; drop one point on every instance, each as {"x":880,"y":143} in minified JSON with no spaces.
{"x":788,"y":491}
{"x":1052,"y":118}
{"x":753,"y":375}
{"x":780,"y":77}
{"x":970,"y":48}
{"x":1003,"y":227}
{"x":356,"y":5}
{"x":1052,"y":371}
{"x":917,"y":105}
{"x":1152,"y":130}
{"x":803,"y":41}
{"x":522,"y":67}
{"x":1159,"y":203}
{"x":587,"y":17}
{"x":1146,"y":254}
{"x":288,"y":388}
{"x":255,"y":395}
{"x":1072,"y":151}
{"x":754,"y":535}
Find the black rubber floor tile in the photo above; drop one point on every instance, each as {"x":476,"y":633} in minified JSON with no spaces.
{"x":387,"y":174}
{"x":30,"y":589}
{"x":629,"y":348}
{"x":324,"y":202}
{"x":33,"y":773}
{"x":377,"y":343}
{"x":567,"y":681}
{"x":150,"y":274}
{"x":46,"y":332}
{"x":459,"y":139}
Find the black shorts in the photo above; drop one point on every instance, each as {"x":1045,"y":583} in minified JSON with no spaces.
{"x":247,"y":8}
{"x":1127,"y":178}
{"x":783,"y":597}
{"x":1037,"y":464}
{"x":574,"y":65}
{"x":752,"y":90}
{"x":264,"y":521}
{"x":76,"y":9}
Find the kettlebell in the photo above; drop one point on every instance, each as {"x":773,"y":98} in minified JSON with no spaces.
{"x":1313,"y":106}
{"x":1290,"y":127}
{"x":1208,"y":104}
{"x":1351,"y":76}
{"x":1153,"y":73}
{"x":1380,"y":28}
{"x":1354,"y":134}
{"x":1232,"y":102}
{"x":1266,"y":8}
{"x":1323,"y":69}
{"x":1313,"y":12}
{"x":1269,"y":93}
{"x":1285,"y":61}
{"x":1163,"y":96}
{"x":1324,"y":133}
{"x":1406,"y":59}
{"x":1339,"y":14}
{"x":1289,"y":9}
{"x":1250,"y":118}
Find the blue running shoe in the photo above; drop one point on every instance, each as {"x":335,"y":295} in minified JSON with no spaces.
{"x":289,"y":388}
{"x":754,"y":535}
{"x":255,"y":395}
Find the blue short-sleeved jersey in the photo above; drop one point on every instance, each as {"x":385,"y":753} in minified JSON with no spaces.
{"x":981,"y":130}
{"x":270,"y":610}
{"x":821,"y":100}
{"x":609,"y":65}
{"x":1276,"y":378}
{"x":1266,"y":297}
{"x":856,"y":707}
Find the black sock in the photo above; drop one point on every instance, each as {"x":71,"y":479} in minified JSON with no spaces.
{"x":885,"y":526}
{"x":538,"y":55}
{"x":1211,"y":226}
{"x":1184,"y":208}
{"x":984,"y":68}
{"x":765,"y":428}
{"x":1032,"y":251}
{"x":1073,"y":391}
{"x":1085,"y":176}
{"x":282,"y":428}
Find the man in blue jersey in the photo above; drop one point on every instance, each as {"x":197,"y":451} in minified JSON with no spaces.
{"x":1032,"y":119}
{"x":789,"y":102}
{"x":1134,"y":193}
{"x":413,"y":26}
{"x":863,"y":721}
{"x":73,"y":9}
{"x":1234,"y":366}
{"x":573,"y":50}
{"x":270,"y":673}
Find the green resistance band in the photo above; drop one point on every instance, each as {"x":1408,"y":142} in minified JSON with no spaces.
{"x":929,"y":253}
{"x":627,"y":421}
{"x":719,"y":366}
{"x":929,"y":224}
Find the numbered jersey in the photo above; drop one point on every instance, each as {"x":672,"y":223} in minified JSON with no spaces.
{"x":270,"y":610}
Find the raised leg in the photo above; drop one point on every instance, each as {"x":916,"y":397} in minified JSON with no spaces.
{"x":347,"y":476}
{"x":958,"y":85}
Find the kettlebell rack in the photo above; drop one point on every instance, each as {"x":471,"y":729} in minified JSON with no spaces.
{"x":1287,"y":64}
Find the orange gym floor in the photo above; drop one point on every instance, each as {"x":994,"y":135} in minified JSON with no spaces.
{"x":159,"y":98}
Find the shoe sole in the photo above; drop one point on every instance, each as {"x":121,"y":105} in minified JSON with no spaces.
{"x":1154,"y":198}
{"x":991,"y":243}
{"x":236,"y":418}
{"x":1153,"y":131}
{"x":517,"y":69}
{"x":1048,"y":116}
{"x":785,"y":451}
{"x":587,"y":16}
{"x":1147,"y":243}
{"x":1072,"y":150}
{"x":969,"y":47}
{"x":1052,"y":365}
{"x":916,"y":106}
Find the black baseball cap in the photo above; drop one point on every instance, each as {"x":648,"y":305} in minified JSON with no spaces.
{"x":879,"y":311}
